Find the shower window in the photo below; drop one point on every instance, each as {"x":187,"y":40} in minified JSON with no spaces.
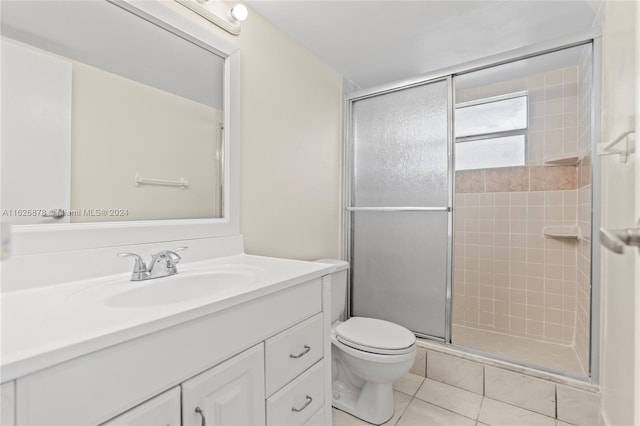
{"x":491,"y":132}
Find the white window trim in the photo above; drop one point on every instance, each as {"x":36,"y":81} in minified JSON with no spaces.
{"x":501,"y":134}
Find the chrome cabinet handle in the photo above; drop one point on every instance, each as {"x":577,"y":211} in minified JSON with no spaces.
{"x":301,"y":354}
{"x":204,"y":420}
{"x":306,"y":404}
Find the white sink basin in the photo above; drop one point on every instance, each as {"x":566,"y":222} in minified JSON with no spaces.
{"x":185,"y":286}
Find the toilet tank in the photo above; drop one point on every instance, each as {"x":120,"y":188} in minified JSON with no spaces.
{"x":338,"y":289}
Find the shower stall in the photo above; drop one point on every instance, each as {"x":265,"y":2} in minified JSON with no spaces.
{"x":468,"y":211}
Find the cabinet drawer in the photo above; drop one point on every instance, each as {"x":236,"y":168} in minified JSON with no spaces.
{"x":297,"y":402}
{"x":291,"y":352}
{"x":318,"y":419}
{"x":163,"y":410}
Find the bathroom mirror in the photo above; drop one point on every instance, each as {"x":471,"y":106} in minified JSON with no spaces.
{"x":107,"y":116}
{"x":155,"y":157}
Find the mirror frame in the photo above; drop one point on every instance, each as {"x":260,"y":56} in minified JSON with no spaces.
{"x":45,"y":238}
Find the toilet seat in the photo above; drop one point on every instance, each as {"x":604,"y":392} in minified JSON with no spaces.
{"x":375,"y":336}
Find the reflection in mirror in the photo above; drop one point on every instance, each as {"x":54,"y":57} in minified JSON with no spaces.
{"x":106,"y":117}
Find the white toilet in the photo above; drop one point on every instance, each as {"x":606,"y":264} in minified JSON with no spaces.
{"x":367,"y":356}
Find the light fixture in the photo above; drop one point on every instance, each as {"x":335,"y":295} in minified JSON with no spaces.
{"x":239,"y":12}
{"x":219,"y":13}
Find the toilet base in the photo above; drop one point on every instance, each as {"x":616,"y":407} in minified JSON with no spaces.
{"x":373,"y":403}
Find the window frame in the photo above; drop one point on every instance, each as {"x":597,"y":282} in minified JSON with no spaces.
{"x":500,"y":134}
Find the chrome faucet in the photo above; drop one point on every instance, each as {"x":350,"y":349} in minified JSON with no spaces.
{"x":162,"y":264}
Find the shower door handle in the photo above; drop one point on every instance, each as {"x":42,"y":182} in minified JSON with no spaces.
{"x":616,"y":239}
{"x":398,"y":209}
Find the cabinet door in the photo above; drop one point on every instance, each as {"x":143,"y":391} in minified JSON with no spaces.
{"x":163,"y":410}
{"x":229,"y":394}
{"x":7,"y":410}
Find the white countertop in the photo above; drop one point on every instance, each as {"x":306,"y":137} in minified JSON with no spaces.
{"x":45,"y":326}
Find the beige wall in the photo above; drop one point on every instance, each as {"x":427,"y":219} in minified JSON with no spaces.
{"x":122,"y":128}
{"x":290,"y":154}
{"x":619,"y":285}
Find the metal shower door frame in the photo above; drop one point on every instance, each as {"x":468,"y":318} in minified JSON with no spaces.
{"x":592,"y":37}
{"x":348,"y":189}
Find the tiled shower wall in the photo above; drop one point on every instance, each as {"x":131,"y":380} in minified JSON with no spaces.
{"x":508,"y":277}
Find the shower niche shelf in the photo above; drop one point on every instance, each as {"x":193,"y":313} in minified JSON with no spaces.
{"x":564,"y":160}
{"x":571,"y":232}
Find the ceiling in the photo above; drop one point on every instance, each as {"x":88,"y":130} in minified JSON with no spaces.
{"x":378,"y":42}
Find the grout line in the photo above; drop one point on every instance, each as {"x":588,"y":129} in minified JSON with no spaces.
{"x":555,"y":388}
{"x":403,"y":411}
{"x":484,"y":380}
{"x":480,"y":410}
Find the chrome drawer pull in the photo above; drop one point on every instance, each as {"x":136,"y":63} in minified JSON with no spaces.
{"x":306,"y":404}
{"x":301,"y":354}
{"x":204,"y":420}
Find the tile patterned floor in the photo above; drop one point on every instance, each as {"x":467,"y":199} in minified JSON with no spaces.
{"x":551,"y":355}
{"x":425,"y":402}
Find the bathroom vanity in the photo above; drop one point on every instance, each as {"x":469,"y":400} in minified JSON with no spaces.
{"x":252,"y":351}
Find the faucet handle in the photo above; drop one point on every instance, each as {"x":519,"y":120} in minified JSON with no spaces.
{"x":139,"y":266}
{"x":175,"y":257}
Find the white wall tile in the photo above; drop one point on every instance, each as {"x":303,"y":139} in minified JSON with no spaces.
{"x":450,"y":397}
{"x":520,"y":390}
{"x":578,"y":407}
{"x":420,"y":363}
{"x":455,"y":371}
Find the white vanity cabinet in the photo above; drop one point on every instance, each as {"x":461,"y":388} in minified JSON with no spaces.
{"x":231,"y":393}
{"x":7,"y":409}
{"x":261,"y":361}
{"x":163,"y":410}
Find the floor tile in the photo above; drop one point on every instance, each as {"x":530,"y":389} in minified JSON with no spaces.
{"x":455,"y":399}
{"x":497,"y":413}
{"x":343,"y":419}
{"x":400,"y":403}
{"x":409,"y":383}
{"x":420,"y":413}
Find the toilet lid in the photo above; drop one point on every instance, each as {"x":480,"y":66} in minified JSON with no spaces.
{"x":374,"y":335}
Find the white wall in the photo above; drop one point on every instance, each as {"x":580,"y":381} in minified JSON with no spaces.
{"x":290,"y":132}
{"x":619,"y":283}
{"x":36,"y":134}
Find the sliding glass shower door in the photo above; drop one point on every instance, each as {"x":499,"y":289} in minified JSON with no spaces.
{"x":400,"y":207}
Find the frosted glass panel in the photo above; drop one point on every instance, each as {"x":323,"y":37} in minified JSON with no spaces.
{"x":400,"y":148}
{"x":399,"y":265}
{"x":489,"y":153}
